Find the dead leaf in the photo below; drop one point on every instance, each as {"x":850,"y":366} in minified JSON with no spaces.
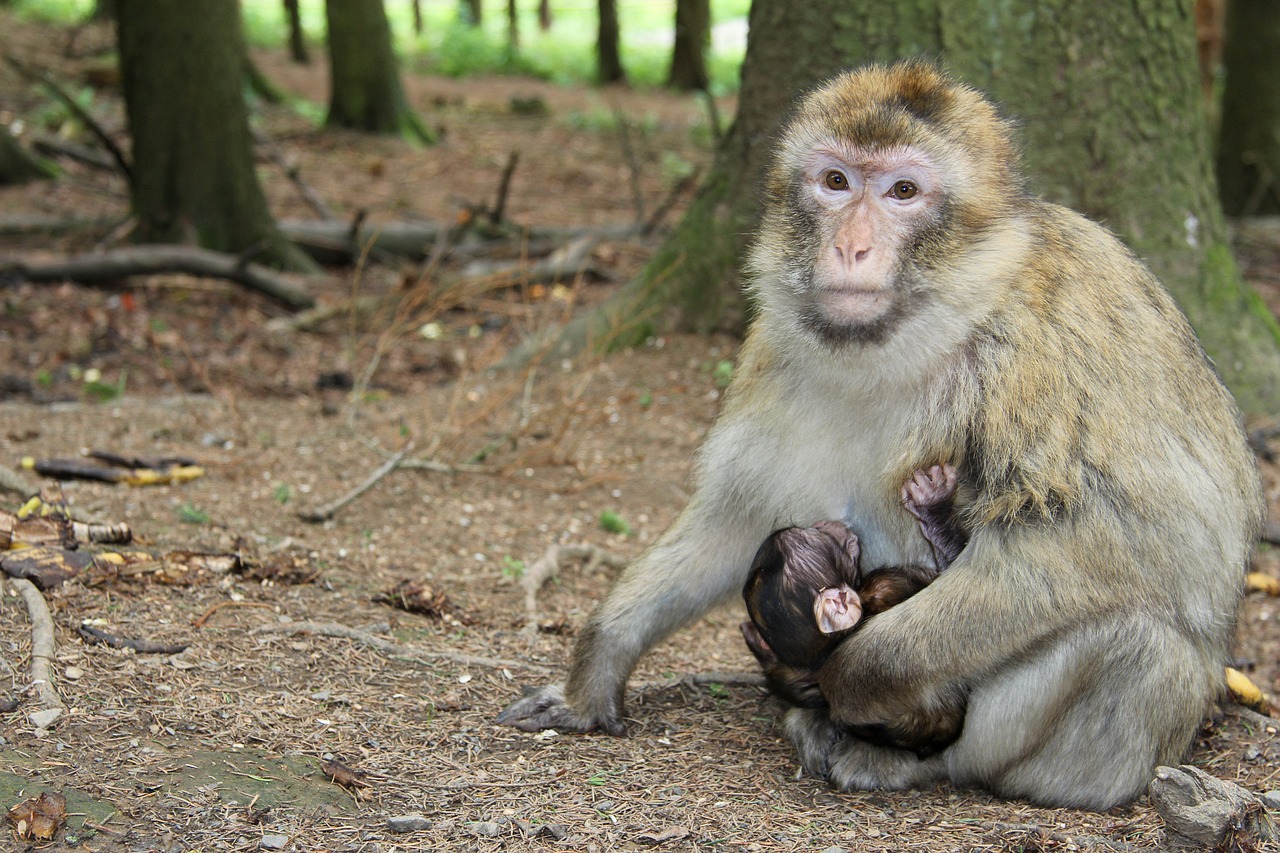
{"x":671,"y":833}
{"x":44,"y":567}
{"x":344,"y":775}
{"x":39,"y":818}
{"x":414,"y":597}
{"x":1258,"y":582}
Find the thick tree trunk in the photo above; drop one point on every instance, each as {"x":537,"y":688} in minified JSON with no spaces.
{"x":544,"y":15}
{"x":689,"y":53}
{"x":364,"y":83}
{"x":608,"y":58}
{"x":1249,"y":138}
{"x":1107,"y":95}
{"x":181,"y":68}
{"x":470,"y":11}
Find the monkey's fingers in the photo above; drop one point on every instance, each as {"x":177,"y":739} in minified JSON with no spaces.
{"x":546,"y":708}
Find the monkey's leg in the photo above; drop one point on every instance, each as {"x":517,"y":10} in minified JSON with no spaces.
{"x":1084,"y":723}
{"x":852,"y":764}
{"x":703,"y":559}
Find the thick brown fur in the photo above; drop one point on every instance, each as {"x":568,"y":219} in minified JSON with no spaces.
{"x":1106,"y":484}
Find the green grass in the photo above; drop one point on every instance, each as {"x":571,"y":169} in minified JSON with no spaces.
{"x":448,"y":46}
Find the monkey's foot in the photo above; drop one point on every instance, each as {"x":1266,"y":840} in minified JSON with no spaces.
{"x":929,"y":488}
{"x":814,"y":737}
{"x":546,"y":708}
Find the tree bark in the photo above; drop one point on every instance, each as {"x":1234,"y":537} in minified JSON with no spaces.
{"x":297,"y":38}
{"x":193,"y":179}
{"x":1107,"y":96}
{"x":470,"y":11}
{"x":608,"y":58}
{"x":544,"y":15}
{"x":365,"y":92}
{"x":1249,"y":135}
{"x":689,"y":52}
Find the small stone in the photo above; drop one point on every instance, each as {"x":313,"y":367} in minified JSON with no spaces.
{"x":1200,"y":810}
{"x":408,"y":823}
{"x":1271,"y":799}
{"x":486,"y":828}
{"x":73,"y":673}
{"x":44,"y":719}
{"x":835,"y":850}
{"x":273,"y":841}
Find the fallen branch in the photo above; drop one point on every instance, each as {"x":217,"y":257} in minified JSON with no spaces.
{"x":499,"y":210}
{"x":42,"y":650}
{"x":156,"y":259}
{"x":729,"y":679}
{"x":548,"y":566}
{"x":364,"y":638}
{"x":96,"y":636}
{"x":329,"y":510}
{"x":84,"y":155}
{"x":12,"y":481}
{"x":35,"y":225}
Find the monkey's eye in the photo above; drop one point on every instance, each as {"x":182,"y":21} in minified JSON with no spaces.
{"x":903,"y":190}
{"x":835,"y":180}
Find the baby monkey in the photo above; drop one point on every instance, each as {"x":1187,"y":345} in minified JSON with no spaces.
{"x":806,"y":592}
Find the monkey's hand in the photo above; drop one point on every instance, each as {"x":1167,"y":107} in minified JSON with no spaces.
{"x":546,"y":708}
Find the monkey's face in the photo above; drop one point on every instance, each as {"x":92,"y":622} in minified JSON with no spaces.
{"x":883,"y":181}
{"x":868,"y":209}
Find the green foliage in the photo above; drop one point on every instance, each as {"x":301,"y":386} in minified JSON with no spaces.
{"x":614,"y":523}
{"x":512,"y":568}
{"x":189,"y":514}
{"x":104,"y":392}
{"x":282,"y":493}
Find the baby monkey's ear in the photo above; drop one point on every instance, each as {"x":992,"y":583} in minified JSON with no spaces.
{"x":848,"y":541}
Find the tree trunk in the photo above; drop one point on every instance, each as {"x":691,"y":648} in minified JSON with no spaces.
{"x":181,"y":69}
{"x":689,"y":53}
{"x":1249,"y":135}
{"x":470,"y":11}
{"x":18,"y":165}
{"x":513,"y":26}
{"x":608,"y":59}
{"x":544,"y":15}
{"x":364,"y":83}
{"x":297,"y":38}
{"x":104,"y":10}
{"x":417,"y":17}
{"x":1107,"y":96}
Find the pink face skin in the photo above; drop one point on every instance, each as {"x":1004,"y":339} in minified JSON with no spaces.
{"x":837,"y":609}
{"x":874,"y":202}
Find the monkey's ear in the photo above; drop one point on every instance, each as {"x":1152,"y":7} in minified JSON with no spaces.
{"x":840,"y":532}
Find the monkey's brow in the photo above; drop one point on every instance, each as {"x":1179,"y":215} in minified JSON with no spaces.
{"x":878,"y":159}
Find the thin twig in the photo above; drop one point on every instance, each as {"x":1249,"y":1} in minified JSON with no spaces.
{"x":633,"y":164}
{"x":95,"y":635}
{"x":199,"y":623}
{"x":78,"y":111}
{"x":43,"y":647}
{"x":681,"y":187}
{"x":294,"y":174}
{"x":548,"y":566}
{"x":329,"y":510}
{"x":332,"y":629}
{"x":504,"y":186}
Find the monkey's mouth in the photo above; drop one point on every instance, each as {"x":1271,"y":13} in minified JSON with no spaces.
{"x":854,"y":304}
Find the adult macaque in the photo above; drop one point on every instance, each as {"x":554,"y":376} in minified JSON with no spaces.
{"x":806,"y":591}
{"x":915,"y":305}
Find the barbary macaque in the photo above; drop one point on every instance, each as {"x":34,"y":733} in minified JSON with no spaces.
{"x":916,"y":304}
{"x":806,"y":591}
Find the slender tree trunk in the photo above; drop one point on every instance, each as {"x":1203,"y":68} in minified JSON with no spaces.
{"x":689,"y":53}
{"x":1124,"y":74}
{"x":104,"y":10}
{"x":544,"y":15}
{"x":608,"y":58}
{"x":1249,"y":134}
{"x":513,"y":26}
{"x":365,"y":92}
{"x":297,"y":37}
{"x":181,"y":68}
{"x":417,"y":17}
{"x":470,"y":11}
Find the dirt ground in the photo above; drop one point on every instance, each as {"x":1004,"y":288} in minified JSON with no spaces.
{"x":220,"y":747}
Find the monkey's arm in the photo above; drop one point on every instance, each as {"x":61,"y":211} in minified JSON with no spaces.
{"x":904,"y":677}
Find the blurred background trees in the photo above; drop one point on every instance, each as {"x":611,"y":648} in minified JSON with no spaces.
{"x":1119,"y":105}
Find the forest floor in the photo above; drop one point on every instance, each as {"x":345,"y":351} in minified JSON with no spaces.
{"x":220,"y":747}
